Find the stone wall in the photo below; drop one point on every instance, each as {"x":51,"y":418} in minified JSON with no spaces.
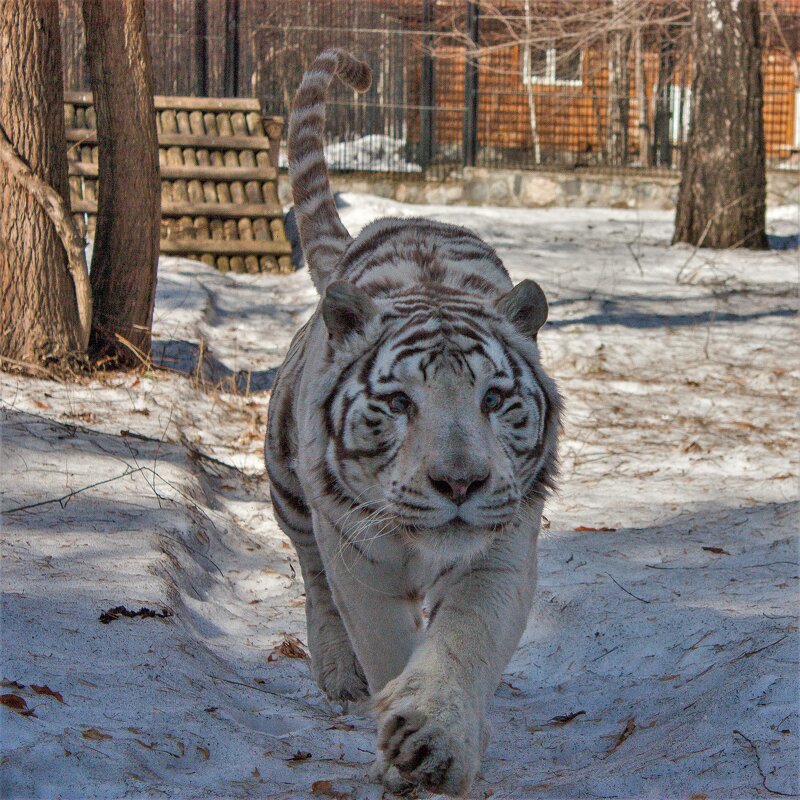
{"x":527,"y":189}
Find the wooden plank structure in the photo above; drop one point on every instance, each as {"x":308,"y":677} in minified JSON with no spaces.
{"x":219,"y":169}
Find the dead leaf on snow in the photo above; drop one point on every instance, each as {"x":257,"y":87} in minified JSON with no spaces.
{"x":748,"y":426}
{"x":717,"y":550}
{"x":204,"y":752}
{"x":14,"y":701}
{"x":48,"y":691}
{"x":589,"y":529}
{"x":300,"y":755}
{"x":151,"y":746}
{"x":290,"y":647}
{"x":7,"y":684}
{"x":564,"y":719}
{"x":95,"y":735}
{"x":325,"y":788}
{"x":143,"y":612}
{"x":630,"y":727}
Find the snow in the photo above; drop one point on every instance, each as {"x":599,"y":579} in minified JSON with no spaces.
{"x":672,"y":638}
{"x":374,"y":152}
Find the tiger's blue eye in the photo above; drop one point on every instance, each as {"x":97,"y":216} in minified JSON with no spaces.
{"x":400,"y":403}
{"x":492,"y":400}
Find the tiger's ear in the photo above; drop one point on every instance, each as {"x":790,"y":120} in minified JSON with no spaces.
{"x":346,"y":310}
{"x":526,"y":306}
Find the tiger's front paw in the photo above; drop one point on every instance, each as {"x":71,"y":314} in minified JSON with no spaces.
{"x":429,"y":735}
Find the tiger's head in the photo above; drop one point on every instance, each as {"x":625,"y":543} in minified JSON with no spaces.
{"x":442,"y":423}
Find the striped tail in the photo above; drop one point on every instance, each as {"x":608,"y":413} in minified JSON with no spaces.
{"x":322,"y":234}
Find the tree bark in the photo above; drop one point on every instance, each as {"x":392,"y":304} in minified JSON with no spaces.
{"x":619,"y":98}
{"x":126,"y":242}
{"x":722,"y":196}
{"x":58,"y":210}
{"x":641,"y":100}
{"x":39,"y":321}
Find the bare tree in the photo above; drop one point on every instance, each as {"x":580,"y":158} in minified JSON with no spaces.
{"x":642,"y":109}
{"x":722,"y":197}
{"x":41,"y":322}
{"x":528,"y":73}
{"x":619,"y":91}
{"x":126,"y":242}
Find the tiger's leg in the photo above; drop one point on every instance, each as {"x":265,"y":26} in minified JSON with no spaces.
{"x":372,"y":597}
{"x":431,"y":719}
{"x":333,"y":660}
{"x":334,"y":664}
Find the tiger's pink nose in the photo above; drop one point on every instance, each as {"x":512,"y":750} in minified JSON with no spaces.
{"x":459,"y":489}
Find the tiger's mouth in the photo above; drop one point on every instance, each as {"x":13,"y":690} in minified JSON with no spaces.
{"x":457,"y":524}
{"x":450,"y":542}
{"x":467,"y":520}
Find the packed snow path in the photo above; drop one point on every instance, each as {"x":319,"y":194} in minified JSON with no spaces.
{"x":660,"y":660}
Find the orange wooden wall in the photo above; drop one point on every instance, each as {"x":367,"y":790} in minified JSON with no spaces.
{"x":573,"y":118}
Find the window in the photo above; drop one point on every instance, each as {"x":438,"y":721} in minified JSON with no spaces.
{"x":546,"y":65}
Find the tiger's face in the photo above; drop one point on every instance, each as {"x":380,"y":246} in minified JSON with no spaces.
{"x":438,"y":424}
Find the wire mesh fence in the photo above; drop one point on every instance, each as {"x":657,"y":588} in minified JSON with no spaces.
{"x":528,"y":84}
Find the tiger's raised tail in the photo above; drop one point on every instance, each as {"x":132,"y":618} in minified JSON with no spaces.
{"x":322,"y":234}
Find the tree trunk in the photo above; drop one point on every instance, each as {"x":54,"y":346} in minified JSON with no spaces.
{"x":641,"y":100}
{"x":39,"y":321}
{"x":528,"y":73}
{"x":619,"y":100}
{"x":129,"y":203}
{"x":722,"y":197}
{"x":662,"y":144}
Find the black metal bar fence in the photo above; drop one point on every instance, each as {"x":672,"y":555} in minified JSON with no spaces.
{"x":523,"y":84}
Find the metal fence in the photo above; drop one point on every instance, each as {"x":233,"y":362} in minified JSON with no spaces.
{"x":519,"y":84}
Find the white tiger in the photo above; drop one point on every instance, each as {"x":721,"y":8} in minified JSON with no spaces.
{"x":411,"y":441}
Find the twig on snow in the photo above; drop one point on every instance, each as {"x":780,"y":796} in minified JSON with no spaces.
{"x":635,"y":258}
{"x":752,"y":746}
{"x":636,"y":597}
{"x":64,"y":499}
{"x":760,"y":649}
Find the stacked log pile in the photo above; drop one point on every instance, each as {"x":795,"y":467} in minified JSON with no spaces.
{"x":219,"y":171}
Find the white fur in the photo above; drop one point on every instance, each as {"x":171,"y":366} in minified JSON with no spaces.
{"x":438,"y":680}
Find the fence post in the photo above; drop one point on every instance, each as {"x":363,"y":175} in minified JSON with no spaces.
{"x":427,"y":90}
{"x":470,"y":137}
{"x":201,"y":47}
{"x":230,"y":76}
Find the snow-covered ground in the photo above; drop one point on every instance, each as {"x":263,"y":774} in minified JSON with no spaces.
{"x":662,"y":657}
{"x":374,"y":152}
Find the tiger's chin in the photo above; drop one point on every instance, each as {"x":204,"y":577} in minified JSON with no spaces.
{"x":455,"y":539}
